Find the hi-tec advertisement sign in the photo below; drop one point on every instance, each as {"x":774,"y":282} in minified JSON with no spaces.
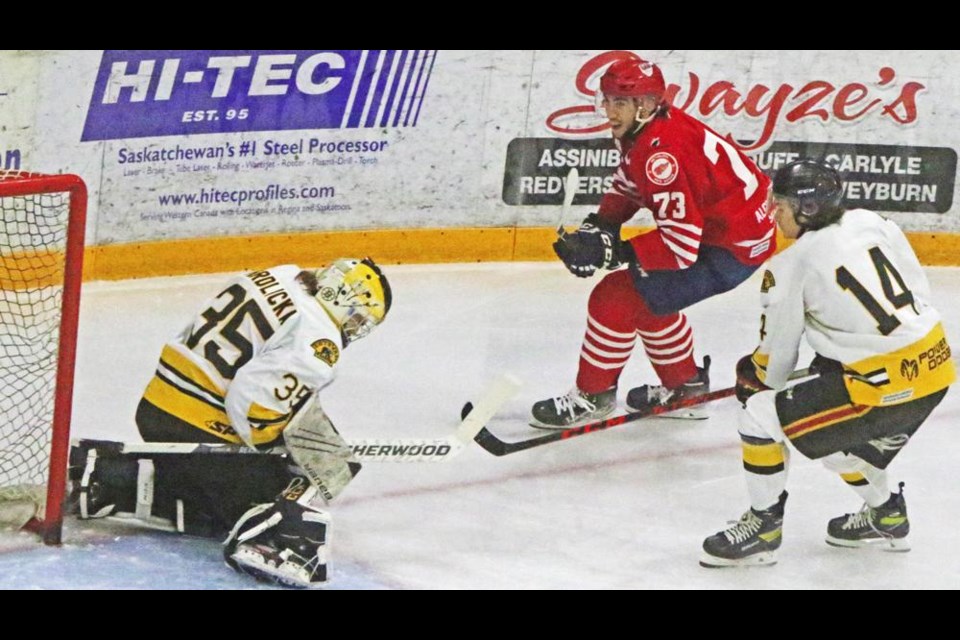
{"x":160,"y":92}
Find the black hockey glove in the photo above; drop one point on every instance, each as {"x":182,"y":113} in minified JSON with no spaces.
{"x":822,"y":366}
{"x":747,"y":381}
{"x":595,"y":245}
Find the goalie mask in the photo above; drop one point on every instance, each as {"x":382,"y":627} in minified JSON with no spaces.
{"x":355,"y":294}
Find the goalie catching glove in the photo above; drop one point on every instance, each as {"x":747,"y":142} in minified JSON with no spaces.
{"x":595,"y":245}
{"x":284,"y":542}
{"x":748,"y":383}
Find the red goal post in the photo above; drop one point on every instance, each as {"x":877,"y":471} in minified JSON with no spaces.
{"x":41,"y":269}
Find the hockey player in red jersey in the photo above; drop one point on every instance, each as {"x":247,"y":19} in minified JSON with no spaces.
{"x":711,"y":207}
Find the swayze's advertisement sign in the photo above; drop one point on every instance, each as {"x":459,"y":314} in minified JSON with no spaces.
{"x":885,"y":177}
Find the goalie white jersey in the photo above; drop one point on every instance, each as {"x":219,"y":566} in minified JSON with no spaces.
{"x":860,"y":274}
{"x":257,"y":349}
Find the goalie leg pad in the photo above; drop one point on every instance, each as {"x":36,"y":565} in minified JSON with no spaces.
{"x":103,"y":480}
{"x":284,"y":542}
{"x":108,"y":483}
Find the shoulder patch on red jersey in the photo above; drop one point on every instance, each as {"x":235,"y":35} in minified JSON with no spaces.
{"x":662,"y":168}
{"x":768,"y":281}
{"x":326,"y":351}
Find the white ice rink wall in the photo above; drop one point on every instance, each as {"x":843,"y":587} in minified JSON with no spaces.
{"x":196,"y":159}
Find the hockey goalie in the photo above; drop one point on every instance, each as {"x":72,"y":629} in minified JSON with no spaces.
{"x":244,"y":372}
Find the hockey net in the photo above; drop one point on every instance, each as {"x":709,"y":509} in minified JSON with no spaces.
{"x":41,"y":261}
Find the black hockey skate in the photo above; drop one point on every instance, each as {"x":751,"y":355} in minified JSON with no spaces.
{"x":573,"y":409}
{"x":645,"y":396}
{"x":753,"y":541}
{"x":885,"y":527}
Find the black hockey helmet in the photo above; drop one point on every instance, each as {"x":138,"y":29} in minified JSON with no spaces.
{"x":814,"y":189}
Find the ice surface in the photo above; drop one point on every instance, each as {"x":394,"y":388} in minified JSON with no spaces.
{"x":623,"y":509}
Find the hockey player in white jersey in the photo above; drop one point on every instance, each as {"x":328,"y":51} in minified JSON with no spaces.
{"x":247,"y":370}
{"x":852,"y":284}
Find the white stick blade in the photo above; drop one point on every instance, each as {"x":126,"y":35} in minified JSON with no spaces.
{"x":502,"y":389}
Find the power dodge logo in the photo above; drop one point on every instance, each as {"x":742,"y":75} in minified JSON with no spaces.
{"x":156,"y":93}
{"x":909,"y":369}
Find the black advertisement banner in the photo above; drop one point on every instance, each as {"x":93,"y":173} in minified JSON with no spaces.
{"x":887,"y":178}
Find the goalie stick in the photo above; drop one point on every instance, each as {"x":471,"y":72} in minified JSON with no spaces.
{"x":377,"y":449}
{"x":499,"y":447}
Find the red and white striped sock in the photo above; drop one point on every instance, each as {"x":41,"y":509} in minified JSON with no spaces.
{"x":604,"y":354}
{"x":616,"y":315}
{"x":668,"y":341}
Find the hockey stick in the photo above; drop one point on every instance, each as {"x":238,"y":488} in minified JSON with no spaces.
{"x":570,"y":186}
{"x":372,"y":450}
{"x":499,"y":447}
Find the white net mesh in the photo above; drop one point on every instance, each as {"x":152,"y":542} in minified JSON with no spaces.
{"x":19,"y":504}
{"x":32,"y":251}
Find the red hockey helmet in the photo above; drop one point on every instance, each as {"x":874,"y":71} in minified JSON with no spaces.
{"x":633,"y":78}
